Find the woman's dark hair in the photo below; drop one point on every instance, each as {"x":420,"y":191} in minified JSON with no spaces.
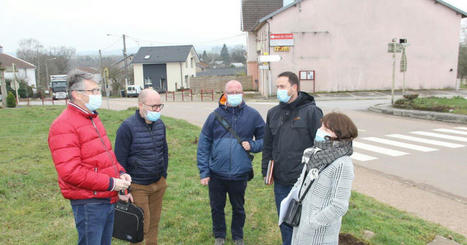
{"x":341,"y":125}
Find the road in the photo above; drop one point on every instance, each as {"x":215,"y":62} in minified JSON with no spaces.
{"x":414,"y":165}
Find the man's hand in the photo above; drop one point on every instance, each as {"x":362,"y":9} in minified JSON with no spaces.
{"x":126,"y":197}
{"x":120,"y":184}
{"x":126,"y":177}
{"x":205,"y":181}
{"x":246,"y":145}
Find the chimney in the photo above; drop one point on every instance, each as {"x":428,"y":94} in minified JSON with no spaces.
{"x":1,"y":49}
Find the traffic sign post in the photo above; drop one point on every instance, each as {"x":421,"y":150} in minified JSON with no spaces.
{"x":267,"y":59}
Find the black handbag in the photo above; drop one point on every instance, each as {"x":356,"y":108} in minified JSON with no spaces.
{"x":128,"y":222}
{"x":294,"y":210}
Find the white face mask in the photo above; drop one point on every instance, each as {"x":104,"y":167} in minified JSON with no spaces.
{"x":95,"y":101}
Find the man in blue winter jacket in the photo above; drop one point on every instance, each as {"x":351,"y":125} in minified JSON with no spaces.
{"x":224,"y":162}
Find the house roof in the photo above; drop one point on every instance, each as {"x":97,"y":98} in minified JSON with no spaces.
{"x":254,"y":10}
{"x":221,"y":72}
{"x":262,"y":20}
{"x":163,"y":54}
{"x":463,"y":13}
{"x":7,"y":60}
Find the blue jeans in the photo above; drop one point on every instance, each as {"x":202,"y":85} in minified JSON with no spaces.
{"x":281,"y":192}
{"x":218,"y":188}
{"x":94,"y":222}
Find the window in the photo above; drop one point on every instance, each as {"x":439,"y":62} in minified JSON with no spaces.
{"x":192,"y":63}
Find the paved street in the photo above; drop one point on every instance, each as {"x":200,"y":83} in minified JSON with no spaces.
{"x":414,"y":165}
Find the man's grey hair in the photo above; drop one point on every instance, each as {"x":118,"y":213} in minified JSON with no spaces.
{"x":144,"y":93}
{"x":76,"y":80}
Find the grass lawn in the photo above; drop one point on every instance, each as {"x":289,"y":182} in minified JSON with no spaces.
{"x":457,"y":105}
{"x":33,"y":210}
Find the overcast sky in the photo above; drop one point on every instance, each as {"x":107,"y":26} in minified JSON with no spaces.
{"x":84,"y":24}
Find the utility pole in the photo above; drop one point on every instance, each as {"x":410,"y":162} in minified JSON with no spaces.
{"x":15,"y":82}
{"x":3,"y":86}
{"x":125,"y":61}
{"x":101,"y":71}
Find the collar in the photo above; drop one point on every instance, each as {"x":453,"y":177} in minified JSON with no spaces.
{"x":74,"y":107}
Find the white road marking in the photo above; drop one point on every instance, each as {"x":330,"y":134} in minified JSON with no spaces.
{"x":378,"y":149}
{"x":425,"y":141}
{"x":463,"y":128}
{"x":444,"y":130}
{"x":400,"y":144}
{"x":362,"y":157}
{"x":443,"y":136}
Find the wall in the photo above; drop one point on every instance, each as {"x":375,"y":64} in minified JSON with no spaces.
{"x":138,"y":75}
{"x":173,"y":76}
{"x":218,"y":82}
{"x":345,"y":42}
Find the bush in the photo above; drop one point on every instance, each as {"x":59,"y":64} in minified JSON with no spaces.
{"x":10,"y":100}
{"x":25,"y":90}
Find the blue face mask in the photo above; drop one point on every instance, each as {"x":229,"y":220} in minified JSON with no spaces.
{"x":95,"y":101}
{"x":234,"y":99}
{"x":283,"y":96}
{"x":153,"y":116}
{"x":321,"y":135}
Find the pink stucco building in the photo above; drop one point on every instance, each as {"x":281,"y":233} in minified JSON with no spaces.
{"x":346,"y":43}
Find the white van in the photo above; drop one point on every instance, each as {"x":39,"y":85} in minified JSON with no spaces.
{"x":132,"y":91}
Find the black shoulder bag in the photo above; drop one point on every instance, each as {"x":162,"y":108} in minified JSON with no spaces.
{"x":227,"y":127}
{"x":294,"y":210}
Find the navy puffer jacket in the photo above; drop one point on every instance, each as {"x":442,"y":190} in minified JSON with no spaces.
{"x":219,"y":153}
{"x":141,"y":149}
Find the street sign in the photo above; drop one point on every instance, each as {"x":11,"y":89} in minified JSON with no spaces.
{"x":281,"y":39}
{"x":281,"y":49}
{"x":269,"y":58}
{"x":394,"y":47}
{"x":403,"y":66}
{"x":263,"y":67}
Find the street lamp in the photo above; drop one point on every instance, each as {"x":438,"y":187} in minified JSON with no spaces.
{"x":47,"y":71}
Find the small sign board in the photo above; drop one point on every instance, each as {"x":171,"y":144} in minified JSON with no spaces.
{"x":269,"y":58}
{"x":394,"y":48}
{"x":263,"y":67}
{"x":281,"y":39}
{"x":307,"y":75}
{"x":282,"y":49}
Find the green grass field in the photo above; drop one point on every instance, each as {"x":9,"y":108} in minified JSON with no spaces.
{"x":33,"y":210}
{"x":457,"y":105}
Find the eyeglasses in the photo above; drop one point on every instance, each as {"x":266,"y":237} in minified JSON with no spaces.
{"x":155,"y":107}
{"x":93,"y":91}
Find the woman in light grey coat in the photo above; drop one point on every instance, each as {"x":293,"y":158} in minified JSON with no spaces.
{"x":327,"y":199}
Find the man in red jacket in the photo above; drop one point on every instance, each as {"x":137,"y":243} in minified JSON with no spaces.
{"x":88,"y":172}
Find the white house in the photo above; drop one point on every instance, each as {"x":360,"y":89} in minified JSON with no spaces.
{"x":24,"y":70}
{"x":165,"y":68}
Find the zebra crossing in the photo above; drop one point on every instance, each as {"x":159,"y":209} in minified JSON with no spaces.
{"x":397,"y":145}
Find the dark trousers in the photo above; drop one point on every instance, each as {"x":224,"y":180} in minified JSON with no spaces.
{"x":94,"y":222}
{"x":281,"y":192}
{"x":218,"y":189}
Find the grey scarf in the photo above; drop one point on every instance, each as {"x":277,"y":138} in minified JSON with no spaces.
{"x":325,"y":152}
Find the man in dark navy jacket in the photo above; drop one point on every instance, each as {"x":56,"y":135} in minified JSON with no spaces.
{"x":141,"y":148}
{"x":223,"y":162}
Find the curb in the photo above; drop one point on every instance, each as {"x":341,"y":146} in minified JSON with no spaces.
{"x":427,"y":115}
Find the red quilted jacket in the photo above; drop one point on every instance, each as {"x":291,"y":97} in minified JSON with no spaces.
{"x":84,"y":164}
